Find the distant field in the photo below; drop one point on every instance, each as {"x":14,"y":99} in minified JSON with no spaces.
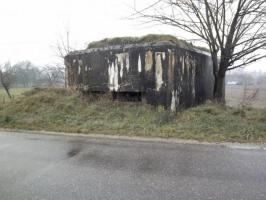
{"x":15,"y":92}
{"x":235,"y":93}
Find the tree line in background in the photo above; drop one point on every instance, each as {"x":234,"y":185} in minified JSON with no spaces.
{"x":246,"y":78}
{"x":26,"y":75}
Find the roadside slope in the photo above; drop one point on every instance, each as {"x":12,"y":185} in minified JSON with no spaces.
{"x":63,"y":111}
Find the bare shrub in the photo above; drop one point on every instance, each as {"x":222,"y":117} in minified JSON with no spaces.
{"x":248,"y":96}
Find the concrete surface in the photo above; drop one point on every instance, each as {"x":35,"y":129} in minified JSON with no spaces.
{"x":36,"y":166}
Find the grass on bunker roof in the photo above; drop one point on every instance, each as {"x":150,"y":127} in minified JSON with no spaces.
{"x":64,"y":111}
{"x":139,"y":40}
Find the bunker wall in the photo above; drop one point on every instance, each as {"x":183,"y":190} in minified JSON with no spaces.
{"x":169,"y":76}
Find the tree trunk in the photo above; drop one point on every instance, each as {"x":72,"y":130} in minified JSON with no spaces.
{"x":219,"y":88}
{"x":66,"y":78}
{"x":7,"y":91}
{"x":4,"y":85}
{"x":219,"y":77}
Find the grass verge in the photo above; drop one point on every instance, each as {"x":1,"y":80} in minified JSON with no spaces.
{"x":63,"y":111}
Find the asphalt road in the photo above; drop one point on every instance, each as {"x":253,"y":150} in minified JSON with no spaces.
{"x":63,"y":167}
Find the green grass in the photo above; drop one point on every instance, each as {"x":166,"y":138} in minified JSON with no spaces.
{"x":138,"y":40}
{"x":15,"y":92}
{"x":63,"y":111}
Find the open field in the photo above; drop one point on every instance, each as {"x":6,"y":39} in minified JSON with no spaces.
{"x":61,"y":110}
{"x":236,"y":93}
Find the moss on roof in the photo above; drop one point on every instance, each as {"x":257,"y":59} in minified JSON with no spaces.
{"x":138,"y":40}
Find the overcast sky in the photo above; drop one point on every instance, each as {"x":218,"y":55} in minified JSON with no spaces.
{"x":29,"y":28}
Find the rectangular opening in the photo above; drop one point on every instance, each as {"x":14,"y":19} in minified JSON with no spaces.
{"x":127,"y":96}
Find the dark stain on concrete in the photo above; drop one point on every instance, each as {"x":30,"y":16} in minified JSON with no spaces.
{"x":73,"y":152}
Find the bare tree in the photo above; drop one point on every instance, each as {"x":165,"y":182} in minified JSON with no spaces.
{"x":7,"y":77}
{"x":62,"y":48}
{"x":234,"y":30}
{"x":54,"y":75}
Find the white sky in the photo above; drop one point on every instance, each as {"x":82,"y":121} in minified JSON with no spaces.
{"x":29,"y":28}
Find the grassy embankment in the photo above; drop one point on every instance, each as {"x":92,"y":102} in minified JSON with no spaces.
{"x":60,"y":110}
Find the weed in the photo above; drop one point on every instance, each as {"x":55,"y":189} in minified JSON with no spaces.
{"x":163,"y":118}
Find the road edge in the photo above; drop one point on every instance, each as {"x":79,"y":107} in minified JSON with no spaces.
{"x":246,"y":146}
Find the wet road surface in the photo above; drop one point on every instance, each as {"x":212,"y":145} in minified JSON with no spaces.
{"x":62,"y":167}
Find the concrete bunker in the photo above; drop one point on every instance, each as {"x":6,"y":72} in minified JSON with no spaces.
{"x":160,"y":73}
